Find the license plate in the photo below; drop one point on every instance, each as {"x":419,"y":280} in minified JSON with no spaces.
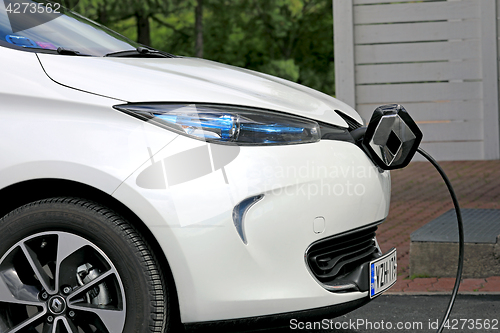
{"x":383,"y":273}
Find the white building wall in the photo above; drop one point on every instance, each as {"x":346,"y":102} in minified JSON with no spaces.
{"x":439,"y":59}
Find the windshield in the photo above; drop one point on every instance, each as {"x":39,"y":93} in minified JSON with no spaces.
{"x":43,"y":26}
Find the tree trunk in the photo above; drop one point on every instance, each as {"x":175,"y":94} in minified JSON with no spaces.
{"x":199,"y":29}
{"x":102,"y":15}
{"x":143,"y":28}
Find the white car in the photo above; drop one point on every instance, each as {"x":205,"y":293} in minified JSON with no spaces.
{"x":139,"y":188}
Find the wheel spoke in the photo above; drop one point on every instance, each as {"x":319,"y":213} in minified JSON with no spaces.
{"x":113,"y":320}
{"x":13,"y":290}
{"x":42,"y":276}
{"x":67,"y":245}
{"x":27,"y":323}
{"x":70,"y":327}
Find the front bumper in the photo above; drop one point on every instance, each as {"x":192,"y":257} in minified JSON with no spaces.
{"x":311,"y":192}
{"x":289,"y":319}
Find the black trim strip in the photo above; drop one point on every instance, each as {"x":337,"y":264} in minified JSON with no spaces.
{"x":276,"y":320}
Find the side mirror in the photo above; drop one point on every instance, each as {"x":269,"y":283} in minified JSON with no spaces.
{"x":392,"y":137}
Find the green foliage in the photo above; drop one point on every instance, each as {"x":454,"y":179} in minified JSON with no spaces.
{"x":286,"y":69}
{"x":292,"y":39}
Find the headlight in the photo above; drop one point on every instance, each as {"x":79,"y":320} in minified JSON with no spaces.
{"x":227,"y":124}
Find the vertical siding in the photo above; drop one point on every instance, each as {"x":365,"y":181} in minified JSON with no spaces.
{"x":436,"y":58}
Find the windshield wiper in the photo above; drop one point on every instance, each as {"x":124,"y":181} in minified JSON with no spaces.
{"x":63,"y":51}
{"x":141,"y":52}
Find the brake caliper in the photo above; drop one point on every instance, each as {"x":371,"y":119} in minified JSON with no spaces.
{"x":99,"y":295}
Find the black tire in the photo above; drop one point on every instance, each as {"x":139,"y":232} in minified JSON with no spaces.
{"x":130,"y":290}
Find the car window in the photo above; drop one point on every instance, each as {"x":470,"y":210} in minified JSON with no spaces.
{"x":20,"y":29}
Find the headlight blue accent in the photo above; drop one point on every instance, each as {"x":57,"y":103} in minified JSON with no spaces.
{"x":228,"y":124}
{"x":273,"y":128}
{"x":223,"y":124}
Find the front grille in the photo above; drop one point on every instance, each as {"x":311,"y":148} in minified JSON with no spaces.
{"x":343,"y":260}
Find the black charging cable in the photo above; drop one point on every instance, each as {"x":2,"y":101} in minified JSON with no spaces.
{"x":460,"y":237}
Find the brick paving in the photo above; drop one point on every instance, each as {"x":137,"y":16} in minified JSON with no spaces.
{"x":419,"y":195}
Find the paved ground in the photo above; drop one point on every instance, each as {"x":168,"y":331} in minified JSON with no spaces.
{"x":418,"y":196}
{"x":406,"y":313}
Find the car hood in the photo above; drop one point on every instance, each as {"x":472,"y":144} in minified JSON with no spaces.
{"x":191,"y":80}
